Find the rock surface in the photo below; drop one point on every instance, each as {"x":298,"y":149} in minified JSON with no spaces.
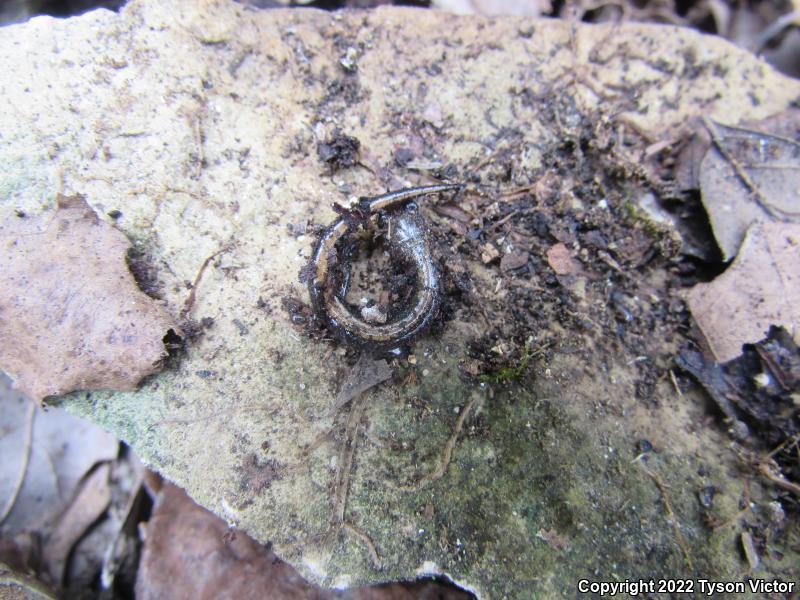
{"x":199,"y":123}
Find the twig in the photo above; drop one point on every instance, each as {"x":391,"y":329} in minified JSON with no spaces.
{"x":487,"y":159}
{"x":373,"y":552}
{"x":207,"y":417}
{"x":26,"y":455}
{"x":518,"y":192}
{"x":508,"y":217}
{"x":774,"y":28}
{"x":662,"y":487}
{"x":770,"y":470}
{"x":773,"y":367}
{"x":342,"y":482}
{"x":189,"y":303}
{"x":790,"y":441}
{"x":675,"y":382}
{"x":447,"y":454}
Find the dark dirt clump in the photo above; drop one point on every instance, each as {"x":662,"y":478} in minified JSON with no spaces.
{"x":339,"y":151}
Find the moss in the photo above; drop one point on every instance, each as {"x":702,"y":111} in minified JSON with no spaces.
{"x":509,"y":373}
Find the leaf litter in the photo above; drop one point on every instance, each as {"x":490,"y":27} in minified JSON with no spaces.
{"x":747,"y":176}
{"x":761,"y":288}
{"x":749,"y":182}
{"x":748,"y":316}
{"x":66,"y":491}
{"x":73,"y":316}
{"x":191,"y":553}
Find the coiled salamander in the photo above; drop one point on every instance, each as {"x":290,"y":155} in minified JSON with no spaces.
{"x":408,"y":242}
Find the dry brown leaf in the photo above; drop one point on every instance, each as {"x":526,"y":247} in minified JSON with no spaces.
{"x":191,"y":553}
{"x":748,"y":175}
{"x":71,"y":315}
{"x":761,"y":288}
{"x":91,"y":502}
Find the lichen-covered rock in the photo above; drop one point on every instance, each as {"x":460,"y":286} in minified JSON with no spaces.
{"x":200,"y":124}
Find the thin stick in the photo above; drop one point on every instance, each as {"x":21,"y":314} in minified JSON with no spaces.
{"x":787,"y":442}
{"x":26,"y":455}
{"x":771,"y":471}
{"x":487,"y":159}
{"x":373,"y":552}
{"x":216,"y":414}
{"x":189,"y":303}
{"x":671,"y":515}
{"x":774,"y":28}
{"x":440,"y":469}
{"x":342,"y":483}
{"x":675,"y":382}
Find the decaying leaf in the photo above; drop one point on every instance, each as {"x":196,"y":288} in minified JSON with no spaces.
{"x":191,"y":553}
{"x":366,"y":373}
{"x":92,"y":500}
{"x":71,"y":315}
{"x":761,"y":288}
{"x":748,"y":175}
{"x":63,"y":449}
{"x":514,"y":260}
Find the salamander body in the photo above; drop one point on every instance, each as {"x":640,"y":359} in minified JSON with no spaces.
{"x":407,"y":240}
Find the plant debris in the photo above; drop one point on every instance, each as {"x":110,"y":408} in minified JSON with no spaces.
{"x":73,"y":317}
{"x":366,"y":373}
{"x":191,"y":553}
{"x":761,"y":288}
{"x":748,"y":176}
{"x":339,"y":151}
{"x":72,"y":519}
{"x":758,"y":393}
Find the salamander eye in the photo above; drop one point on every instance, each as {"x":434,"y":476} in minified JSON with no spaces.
{"x":412,"y":208}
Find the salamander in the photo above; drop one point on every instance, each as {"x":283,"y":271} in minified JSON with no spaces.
{"x":407,"y":237}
